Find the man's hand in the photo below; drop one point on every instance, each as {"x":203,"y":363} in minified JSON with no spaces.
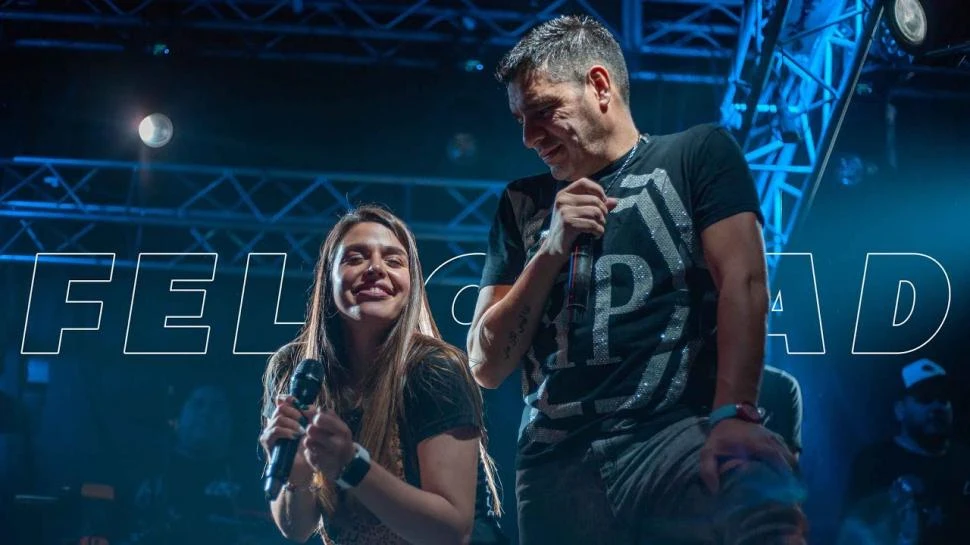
{"x":581,"y":207}
{"x":734,"y":442}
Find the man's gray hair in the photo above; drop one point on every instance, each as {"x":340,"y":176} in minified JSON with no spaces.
{"x":564,"y":49}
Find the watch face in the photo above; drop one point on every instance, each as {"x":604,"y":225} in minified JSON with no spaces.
{"x":749,"y":413}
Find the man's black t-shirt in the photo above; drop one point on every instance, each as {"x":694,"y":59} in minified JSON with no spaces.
{"x":944,"y":501}
{"x":646,"y":351}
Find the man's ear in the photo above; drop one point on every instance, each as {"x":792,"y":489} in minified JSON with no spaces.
{"x":599,"y":79}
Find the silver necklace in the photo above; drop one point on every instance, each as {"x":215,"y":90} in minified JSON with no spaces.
{"x":619,"y":172}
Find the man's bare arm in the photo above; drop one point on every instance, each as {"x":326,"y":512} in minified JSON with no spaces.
{"x":506,"y":318}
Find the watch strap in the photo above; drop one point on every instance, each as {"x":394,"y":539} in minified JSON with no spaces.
{"x":735,"y":410}
{"x":356,"y":469}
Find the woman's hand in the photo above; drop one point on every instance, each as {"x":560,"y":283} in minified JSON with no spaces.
{"x":284,"y":423}
{"x":329,"y":446}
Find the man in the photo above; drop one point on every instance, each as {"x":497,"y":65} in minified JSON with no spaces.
{"x":619,"y":447}
{"x":781,"y":398}
{"x":914,"y":488}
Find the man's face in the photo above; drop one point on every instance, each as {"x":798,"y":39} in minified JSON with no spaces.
{"x":927,"y":412}
{"x":561,"y":122}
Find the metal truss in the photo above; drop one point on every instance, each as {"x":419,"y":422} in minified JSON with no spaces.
{"x":789,"y":74}
{"x":63,"y":206}
{"x":687,"y":40}
{"x":789,"y":88}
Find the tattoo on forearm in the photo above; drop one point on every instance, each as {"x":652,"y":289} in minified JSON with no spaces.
{"x":518,"y":331}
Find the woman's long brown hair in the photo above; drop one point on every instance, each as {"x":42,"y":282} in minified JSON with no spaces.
{"x":411,"y":340}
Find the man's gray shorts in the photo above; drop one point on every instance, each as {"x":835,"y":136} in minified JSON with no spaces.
{"x":645,"y":488}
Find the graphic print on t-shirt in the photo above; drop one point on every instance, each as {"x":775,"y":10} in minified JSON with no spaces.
{"x":650,"y":201}
{"x":653,"y":301}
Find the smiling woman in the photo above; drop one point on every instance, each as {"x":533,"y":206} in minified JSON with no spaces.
{"x":393,"y":450}
{"x":372,"y":279}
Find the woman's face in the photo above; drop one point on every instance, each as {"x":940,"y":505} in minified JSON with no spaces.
{"x":371,"y":279}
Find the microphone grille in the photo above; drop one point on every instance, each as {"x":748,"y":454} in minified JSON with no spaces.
{"x":306,"y":382}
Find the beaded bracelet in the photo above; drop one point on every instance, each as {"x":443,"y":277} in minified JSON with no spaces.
{"x":297,"y":487}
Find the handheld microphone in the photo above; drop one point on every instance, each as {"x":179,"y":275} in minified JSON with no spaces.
{"x":580,"y":278}
{"x":305,"y":387}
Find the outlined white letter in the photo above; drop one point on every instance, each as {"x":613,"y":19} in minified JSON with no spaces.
{"x":454,"y":300}
{"x":67,"y":297}
{"x":802,"y":304}
{"x":885,"y":333}
{"x":266,"y":330}
{"x":207,"y":260}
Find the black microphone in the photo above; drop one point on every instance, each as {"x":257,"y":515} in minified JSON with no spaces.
{"x":305,"y":387}
{"x":580,"y":278}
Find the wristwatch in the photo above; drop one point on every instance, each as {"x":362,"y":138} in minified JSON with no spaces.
{"x":356,"y":469}
{"x":742,"y":411}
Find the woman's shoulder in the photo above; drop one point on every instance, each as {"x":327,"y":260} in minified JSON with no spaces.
{"x":436,"y":362}
{"x":426,"y":348}
{"x":440,"y":392}
{"x":431,"y":352}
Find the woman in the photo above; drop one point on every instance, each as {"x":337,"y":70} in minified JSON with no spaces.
{"x":394,"y":392}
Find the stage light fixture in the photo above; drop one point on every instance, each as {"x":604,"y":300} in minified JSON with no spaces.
{"x":156,"y":130}
{"x":927,"y":28}
{"x":909,"y":18}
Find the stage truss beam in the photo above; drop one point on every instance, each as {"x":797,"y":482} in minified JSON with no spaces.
{"x":412,"y":34}
{"x":793,"y":76}
{"x":788,"y":78}
{"x":59,"y":205}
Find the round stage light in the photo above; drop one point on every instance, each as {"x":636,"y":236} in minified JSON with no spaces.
{"x":909,"y":19}
{"x":156,"y":130}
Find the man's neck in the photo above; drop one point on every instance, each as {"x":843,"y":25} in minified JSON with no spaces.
{"x":618,"y":144}
{"x":624,"y":142}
